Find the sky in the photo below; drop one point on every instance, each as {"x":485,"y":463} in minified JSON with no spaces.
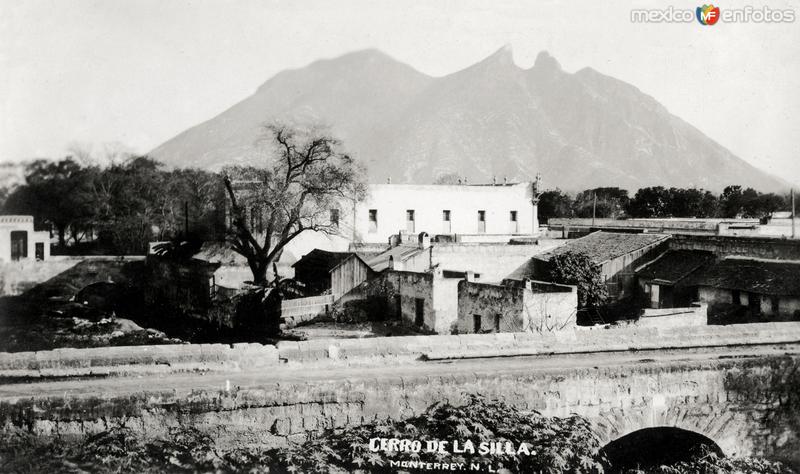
{"x":135,"y":73}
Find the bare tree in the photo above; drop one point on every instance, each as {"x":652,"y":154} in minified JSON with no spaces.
{"x":307,"y":178}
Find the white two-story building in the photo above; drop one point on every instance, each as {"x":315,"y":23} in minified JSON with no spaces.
{"x":484,"y":212}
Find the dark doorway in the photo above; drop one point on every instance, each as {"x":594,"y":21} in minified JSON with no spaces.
{"x":39,"y":250}
{"x":653,"y":447}
{"x":419,"y":316}
{"x":398,"y":307}
{"x":476,"y":323}
{"x":19,"y":244}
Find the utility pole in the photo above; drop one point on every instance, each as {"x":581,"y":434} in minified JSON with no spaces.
{"x":185,"y":219}
{"x":793,"y":218}
{"x":594,"y":208}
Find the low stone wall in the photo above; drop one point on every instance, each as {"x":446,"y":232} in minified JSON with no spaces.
{"x":674,"y":317}
{"x":579,"y":340}
{"x":379,"y":350}
{"x":137,"y":359}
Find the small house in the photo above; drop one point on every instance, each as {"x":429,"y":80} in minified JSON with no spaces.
{"x":663,"y":280}
{"x":528,"y":306}
{"x":616,"y":254}
{"x":768,"y":289}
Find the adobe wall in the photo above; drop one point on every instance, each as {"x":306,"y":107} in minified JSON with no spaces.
{"x":489,"y":302}
{"x":493,"y":262}
{"x":410,"y":286}
{"x":755,"y":247}
{"x":554,"y":310}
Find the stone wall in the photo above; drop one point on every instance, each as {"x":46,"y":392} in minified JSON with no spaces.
{"x":696,"y":315}
{"x":748,"y":407}
{"x":494,"y":262}
{"x":410,"y":287}
{"x":537,"y":307}
{"x":755,"y":247}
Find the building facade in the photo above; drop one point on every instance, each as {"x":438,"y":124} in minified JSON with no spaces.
{"x":18,"y":240}
{"x":482,"y":211}
{"x":530,"y":306}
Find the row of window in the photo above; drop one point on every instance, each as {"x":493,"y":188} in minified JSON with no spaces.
{"x":446,"y":218}
{"x":257,"y":219}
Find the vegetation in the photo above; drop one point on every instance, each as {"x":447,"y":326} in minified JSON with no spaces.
{"x":307,"y":179}
{"x":659,"y":202}
{"x":576,"y":268}
{"x":555,"y":445}
{"x":119,"y":208}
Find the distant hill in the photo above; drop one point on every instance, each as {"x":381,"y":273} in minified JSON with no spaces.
{"x":491,"y":119}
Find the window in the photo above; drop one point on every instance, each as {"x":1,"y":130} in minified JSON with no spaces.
{"x":512,"y":216}
{"x":476,"y":323}
{"x":736,"y":297}
{"x":446,"y":215}
{"x":419,"y":316}
{"x":481,"y":222}
{"x":446,"y":227}
{"x":335,"y":217}
{"x":410,"y":221}
{"x":497,"y":323}
{"x":373,"y":220}
{"x":512,"y":220}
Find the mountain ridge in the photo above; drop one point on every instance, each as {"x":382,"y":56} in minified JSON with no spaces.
{"x":490,"y":119}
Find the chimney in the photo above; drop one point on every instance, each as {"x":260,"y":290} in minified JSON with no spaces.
{"x":391,"y":262}
{"x":394,"y":240}
{"x":470,"y":276}
{"x":389,"y":180}
{"x":459,"y":180}
{"x":494,"y":180}
{"x":424,"y":240}
{"x":528,"y":284}
{"x":465,"y":180}
{"x":505,"y":179}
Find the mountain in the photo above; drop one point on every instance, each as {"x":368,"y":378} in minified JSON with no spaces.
{"x":492,"y":119}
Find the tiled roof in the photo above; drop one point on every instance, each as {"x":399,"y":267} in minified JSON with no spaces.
{"x":322,"y":259}
{"x":767,"y":277}
{"x":399,"y":253}
{"x":674,"y":265}
{"x":603,"y":246}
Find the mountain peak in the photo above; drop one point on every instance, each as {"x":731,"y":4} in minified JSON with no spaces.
{"x":503,"y":56}
{"x":545,"y":61}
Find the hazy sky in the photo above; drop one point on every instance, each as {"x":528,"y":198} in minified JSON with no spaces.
{"x":139,"y":72}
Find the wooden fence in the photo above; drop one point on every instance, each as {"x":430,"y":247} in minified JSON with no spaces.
{"x":298,"y":310}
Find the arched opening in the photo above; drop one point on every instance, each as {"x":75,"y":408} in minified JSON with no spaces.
{"x":653,"y":447}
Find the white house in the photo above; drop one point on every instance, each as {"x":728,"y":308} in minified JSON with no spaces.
{"x":479,"y":213}
{"x":18,"y":240}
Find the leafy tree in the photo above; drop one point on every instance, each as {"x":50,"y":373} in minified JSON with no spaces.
{"x":649,"y":202}
{"x":128,"y":197}
{"x":555,"y":203}
{"x":448,"y":178}
{"x":731,"y":201}
{"x":691,"y":202}
{"x":611,"y":202}
{"x":576,"y":268}
{"x":308,"y":177}
{"x":57,"y":194}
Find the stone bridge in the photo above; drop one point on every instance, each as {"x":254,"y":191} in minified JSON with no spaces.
{"x":738,"y":386}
